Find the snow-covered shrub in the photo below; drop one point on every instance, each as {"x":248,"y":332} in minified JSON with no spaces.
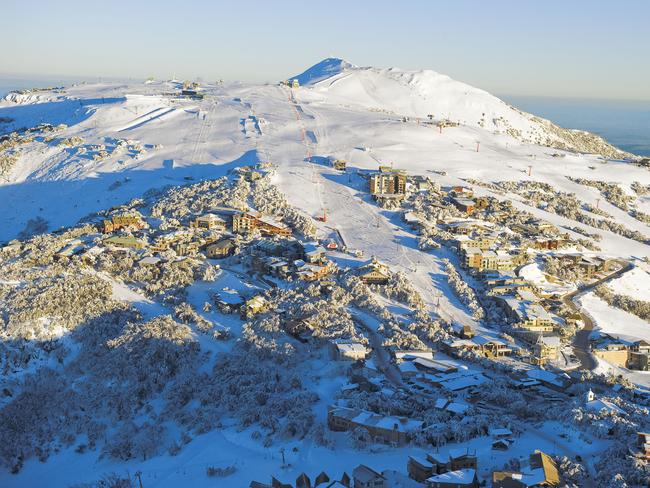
{"x":640,"y":308}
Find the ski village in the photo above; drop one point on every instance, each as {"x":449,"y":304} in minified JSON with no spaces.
{"x":356,"y":277}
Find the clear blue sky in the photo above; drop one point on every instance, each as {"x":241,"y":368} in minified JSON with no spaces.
{"x":588,"y":48}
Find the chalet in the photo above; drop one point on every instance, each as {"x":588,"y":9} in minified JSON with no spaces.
{"x":220,"y":249}
{"x":209,"y":222}
{"x":501,"y":444}
{"x":374,"y":273}
{"x":365,"y":477}
{"x":122,"y":222}
{"x":587,"y":265}
{"x":388,"y":429}
{"x":303,"y":481}
{"x":491,"y":347}
{"x":462,"y":459}
{"x":541,"y":471}
{"x":278,"y":267}
{"x":162,"y":243}
{"x":457,"y":347}
{"x":314,"y":272}
{"x":419,"y":468}
{"x":464,"y":204}
{"x":314,"y":253}
{"x":253,"y":306}
{"x":499,"y":433}
{"x":521,"y":289}
{"x":350,"y":351}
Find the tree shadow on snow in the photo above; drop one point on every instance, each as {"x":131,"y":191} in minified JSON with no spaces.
{"x":65,"y":202}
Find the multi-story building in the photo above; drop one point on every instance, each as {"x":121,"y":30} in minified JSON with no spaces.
{"x":245,"y":222}
{"x":388,"y":183}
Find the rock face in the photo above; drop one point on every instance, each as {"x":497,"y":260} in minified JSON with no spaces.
{"x":427,"y":94}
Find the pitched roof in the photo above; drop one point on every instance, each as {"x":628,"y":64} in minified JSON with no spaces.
{"x":364,"y":474}
{"x":459,"y":477}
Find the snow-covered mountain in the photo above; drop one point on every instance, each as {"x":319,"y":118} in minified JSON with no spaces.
{"x":425,"y":93}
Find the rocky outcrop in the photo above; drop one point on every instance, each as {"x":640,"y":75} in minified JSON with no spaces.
{"x":579,"y":141}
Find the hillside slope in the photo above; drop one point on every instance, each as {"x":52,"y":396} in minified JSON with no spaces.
{"x":426,"y":93}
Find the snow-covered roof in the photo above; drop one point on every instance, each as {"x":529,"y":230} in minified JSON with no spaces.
{"x":408,"y":355}
{"x":457,"y":407}
{"x":457,"y":381}
{"x":441,"y":403}
{"x":499,"y":431}
{"x":365,"y":474}
{"x":351,"y":347}
{"x":547,"y":377}
{"x":551,"y":341}
{"x":407,"y":367}
{"x":599,"y":405}
{"x":422,"y":461}
{"x":460,"y":452}
{"x":459,"y":477}
{"x":371,"y":419}
{"x":483,"y":340}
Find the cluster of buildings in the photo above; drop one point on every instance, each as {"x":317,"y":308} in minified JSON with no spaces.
{"x":382,"y":428}
{"x":362,"y":477}
{"x":458,"y":469}
{"x":214,"y":234}
{"x":625,"y":354}
{"x":463,"y":199}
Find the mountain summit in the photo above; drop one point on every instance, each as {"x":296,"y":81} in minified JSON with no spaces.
{"x":325,"y":69}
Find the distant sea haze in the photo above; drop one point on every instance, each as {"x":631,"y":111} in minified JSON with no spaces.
{"x":623,"y":123}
